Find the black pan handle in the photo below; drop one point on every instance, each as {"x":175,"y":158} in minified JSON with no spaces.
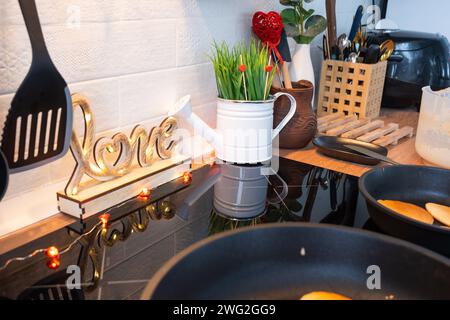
{"x":31,"y":17}
{"x":395,"y":58}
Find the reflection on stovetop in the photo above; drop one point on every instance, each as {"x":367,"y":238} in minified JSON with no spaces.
{"x":118,"y":262}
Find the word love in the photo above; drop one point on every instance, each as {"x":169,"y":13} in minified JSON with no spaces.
{"x":110,"y":158}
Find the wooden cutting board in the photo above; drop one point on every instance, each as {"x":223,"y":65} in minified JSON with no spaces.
{"x":404,"y":152}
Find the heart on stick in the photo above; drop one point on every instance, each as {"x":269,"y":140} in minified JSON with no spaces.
{"x":268,"y":27}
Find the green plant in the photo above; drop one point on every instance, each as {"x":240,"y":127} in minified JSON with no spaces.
{"x":302,"y":24}
{"x":243,"y":73}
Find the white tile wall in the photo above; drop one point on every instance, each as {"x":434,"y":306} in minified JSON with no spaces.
{"x":132,"y":58}
{"x":430,"y":16}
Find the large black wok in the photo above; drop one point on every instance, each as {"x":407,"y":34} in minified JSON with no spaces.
{"x":267,"y":263}
{"x":413,"y":184}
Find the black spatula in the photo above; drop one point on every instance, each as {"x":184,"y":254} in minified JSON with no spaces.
{"x":39,"y":123}
{"x":283,"y":48}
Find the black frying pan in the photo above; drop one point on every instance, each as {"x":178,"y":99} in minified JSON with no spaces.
{"x":414,"y":184}
{"x":266,"y":263}
{"x":4,"y":175}
{"x":335,"y":147}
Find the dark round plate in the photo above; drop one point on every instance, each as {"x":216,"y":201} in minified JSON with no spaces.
{"x":334,"y":147}
{"x":4,"y":175}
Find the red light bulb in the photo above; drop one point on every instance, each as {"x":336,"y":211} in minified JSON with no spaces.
{"x":212,"y":159}
{"x":145,"y":194}
{"x":53,"y":264}
{"x":52,"y":252}
{"x":104,"y":219}
{"x":187,"y":177}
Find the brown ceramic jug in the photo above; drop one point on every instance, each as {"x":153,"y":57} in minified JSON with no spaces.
{"x":299,"y":132}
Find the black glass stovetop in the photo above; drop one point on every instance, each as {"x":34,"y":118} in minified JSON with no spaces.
{"x":143,"y":235}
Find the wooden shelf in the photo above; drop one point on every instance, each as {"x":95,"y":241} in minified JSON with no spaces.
{"x":35,"y":231}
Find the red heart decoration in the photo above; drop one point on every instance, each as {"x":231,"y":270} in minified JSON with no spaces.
{"x":268,"y":27}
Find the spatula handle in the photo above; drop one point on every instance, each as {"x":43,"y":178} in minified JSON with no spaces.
{"x":31,"y":17}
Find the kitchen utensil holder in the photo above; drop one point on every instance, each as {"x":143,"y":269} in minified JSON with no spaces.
{"x":351,"y":88}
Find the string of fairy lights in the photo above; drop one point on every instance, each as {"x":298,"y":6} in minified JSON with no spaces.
{"x":54,"y":254}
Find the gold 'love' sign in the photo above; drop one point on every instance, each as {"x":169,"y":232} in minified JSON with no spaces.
{"x":94,"y":157}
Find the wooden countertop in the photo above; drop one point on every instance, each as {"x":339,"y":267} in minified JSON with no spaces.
{"x":404,"y":152}
{"x":35,"y":231}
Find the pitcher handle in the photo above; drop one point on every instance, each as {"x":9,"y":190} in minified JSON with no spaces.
{"x":288,"y":117}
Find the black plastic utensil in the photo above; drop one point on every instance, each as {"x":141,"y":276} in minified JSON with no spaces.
{"x":326,"y":50}
{"x":39,"y":123}
{"x":4,"y":175}
{"x":285,"y":53}
{"x":356,"y":23}
{"x":335,"y":53}
{"x":372,"y":154}
{"x":337,"y":148}
{"x":373,"y":54}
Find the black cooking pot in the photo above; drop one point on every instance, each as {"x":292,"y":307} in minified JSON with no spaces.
{"x":287,"y":261}
{"x":419,"y":60}
{"x":413,"y":184}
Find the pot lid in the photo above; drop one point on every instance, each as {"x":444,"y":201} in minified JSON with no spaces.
{"x":411,"y":40}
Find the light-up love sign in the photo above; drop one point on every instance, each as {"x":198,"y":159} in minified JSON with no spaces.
{"x":108,"y":158}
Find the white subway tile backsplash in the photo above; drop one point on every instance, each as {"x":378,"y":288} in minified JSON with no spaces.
{"x":62,"y":168}
{"x":27,"y":181}
{"x":150,"y":9}
{"x":197,"y":81}
{"x":63,"y":12}
{"x":103,"y":96}
{"x":145,"y":46}
{"x":95,"y":50}
{"x":5,"y":103}
{"x":146,"y":95}
{"x":74,"y":11}
{"x":15,"y":57}
{"x":28,"y":207}
{"x":195,"y":37}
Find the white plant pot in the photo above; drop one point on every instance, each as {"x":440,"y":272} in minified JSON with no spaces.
{"x":241,"y":192}
{"x":301,"y":67}
{"x":244,"y":133}
{"x":245,"y":129}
